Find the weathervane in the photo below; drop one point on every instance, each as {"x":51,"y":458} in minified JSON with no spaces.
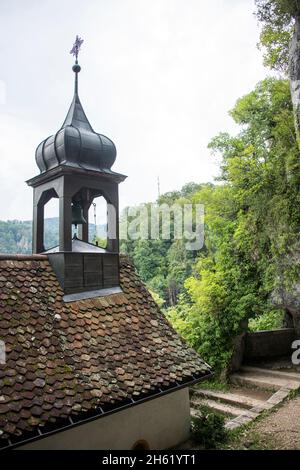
{"x":76,"y":67}
{"x":76,"y":47}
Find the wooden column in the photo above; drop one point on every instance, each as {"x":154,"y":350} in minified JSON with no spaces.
{"x":38,"y":228}
{"x":113,"y":221}
{"x":65,"y":224}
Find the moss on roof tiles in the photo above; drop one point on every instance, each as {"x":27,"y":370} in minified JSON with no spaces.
{"x":64,"y":358}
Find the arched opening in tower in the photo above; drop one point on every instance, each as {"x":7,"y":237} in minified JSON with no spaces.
{"x":98,"y":222}
{"x":51,"y":223}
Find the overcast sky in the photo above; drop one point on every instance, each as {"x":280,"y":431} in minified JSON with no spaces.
{"x":158,"y":77}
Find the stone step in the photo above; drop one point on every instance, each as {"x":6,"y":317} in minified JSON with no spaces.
{"x":252,"y":392}
{"x":294,"y":376}
{"x":266,"y":381}
{"x":223,"y":408}
{"x":230,"y":398}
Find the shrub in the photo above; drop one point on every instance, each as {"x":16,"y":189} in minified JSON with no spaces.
{"x":208,"y":428}
{"x":272,"y":320}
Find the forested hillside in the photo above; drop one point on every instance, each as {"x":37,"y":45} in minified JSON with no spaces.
{"x":16,"y":235}
{"x":165,"y":264}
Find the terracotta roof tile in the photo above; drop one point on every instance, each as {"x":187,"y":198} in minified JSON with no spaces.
{"x":66,"y":358}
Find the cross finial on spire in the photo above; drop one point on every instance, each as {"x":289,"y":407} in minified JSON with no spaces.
{"x":76,"y":47}
{"x":75,"y":51}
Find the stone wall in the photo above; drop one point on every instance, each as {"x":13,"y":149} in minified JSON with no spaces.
{"x":269,"y":344}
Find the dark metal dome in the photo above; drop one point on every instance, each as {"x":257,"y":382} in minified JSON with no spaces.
{"x":76,"y":144}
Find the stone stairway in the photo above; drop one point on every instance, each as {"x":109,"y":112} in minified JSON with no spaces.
{"x":252,"y":390}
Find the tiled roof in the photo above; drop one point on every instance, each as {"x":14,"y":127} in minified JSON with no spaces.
{"x":65,"y":359}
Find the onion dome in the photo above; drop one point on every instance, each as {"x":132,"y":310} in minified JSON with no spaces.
{"x":76,"y":144}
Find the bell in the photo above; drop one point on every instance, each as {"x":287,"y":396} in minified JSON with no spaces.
{"x":77,"y":214}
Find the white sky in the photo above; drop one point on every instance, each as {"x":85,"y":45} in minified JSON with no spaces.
{"x":158,"y":77}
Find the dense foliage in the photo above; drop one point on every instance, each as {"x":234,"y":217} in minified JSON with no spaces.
{"x":277,"y":18}
{"x":164,"y":264}
{"x":252,"y":224}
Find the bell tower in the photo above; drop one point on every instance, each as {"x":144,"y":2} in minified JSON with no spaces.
{"x":75,"y":167}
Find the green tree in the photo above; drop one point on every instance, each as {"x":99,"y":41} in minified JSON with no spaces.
{"x":164,"y":264}
{"x":280,"y":39}
{"x":277,"y":18}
